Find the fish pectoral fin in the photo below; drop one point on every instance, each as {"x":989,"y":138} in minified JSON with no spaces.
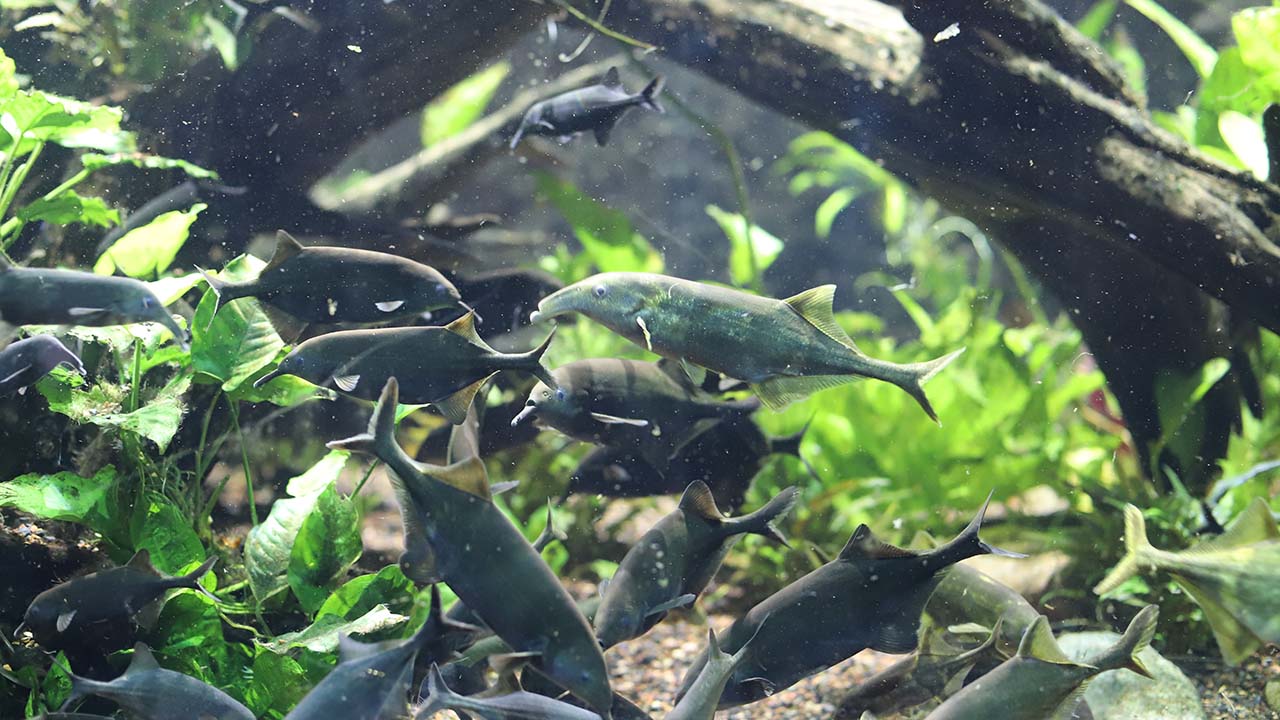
{"x":389,"y":305}
{"x":564,"y":139}
{"x":502,"y":487}
{"x":545,"y":125}
{"x":346,"y":383}
{"x":896,"y":637}
{"x":64,"y":621}
{"x":22,"y":391}
{"x":77,"y":312}
{"x":956,"y":681}
{"x":782,"y":390}
{"x":602,"y":133}
{"x":766,"y":685}
{"x":644,"y":328}
{"x":454,"y":407}
{"x":672,"y":604}
{"x":814,"y":305}
{"x":615,"y":420}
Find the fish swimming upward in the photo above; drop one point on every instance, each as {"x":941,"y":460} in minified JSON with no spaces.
{"x":149,"y":692}
{"x":25,"y":361}
{"x":512,"y":702}
{"x":595,"y":108}
{"x":785,"y":349}
{"x":1234,"y":577}
{"x":702,"y":697}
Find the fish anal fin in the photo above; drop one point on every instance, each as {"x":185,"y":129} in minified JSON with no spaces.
{"x":142,"y":660}
{"x":286,"y":247}
{"x":468,"y":476}
{"x":1038,"y":642}
{"x":782,"y":390}
{"x":611,"y":78}
{"x":465,"y":326}
{"x":699,"y":501}
{"x":1235,"y":640}
{"x":454,"y":407}
{"x":896,"y":637}
{"x":956,"y":681}
{"x":148,"y":615}
{"x":814,"y":305}
{"x":287,"y":326}
{"x":1067,"y":709}
{"x":672,"y":604}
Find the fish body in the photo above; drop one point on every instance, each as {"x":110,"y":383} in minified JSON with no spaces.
{"x":104,"y":610}
{"x":443,"y":366}
{"x":675,"y":560}
{"x":339,"y":284}
{"x":470,"y":544}
{"x":628,"y":404}
{"x":870,"y":596}
{"x":25,"y":361}
{"x":701,"y":699}
{"x":39,"y":296}
{"x":785,"y":349}
{"x":1039,"y":682}
{"x":515,"y":705}
{"x":1234,"y":577}
{"x":595,"y":108}
{"x":149,"y":692}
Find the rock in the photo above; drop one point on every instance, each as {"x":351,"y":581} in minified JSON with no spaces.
{"x":1123,"y":695}
{"x":1272,"y":694}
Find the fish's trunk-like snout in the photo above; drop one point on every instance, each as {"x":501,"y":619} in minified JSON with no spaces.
{"x":528,"y":411}
{"x":268,"y":378}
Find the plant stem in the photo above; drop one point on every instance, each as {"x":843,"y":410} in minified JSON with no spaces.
{"x":11,"y":191}
{"x":201,"y":469}
{"x":602,"y":29}
{"x":365,"y":479}
{"x":136,"y":378}
{"x":13,"y":224}
{"x":244,"y":461}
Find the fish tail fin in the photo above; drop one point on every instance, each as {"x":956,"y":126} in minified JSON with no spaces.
{"x":649,"y":95}
{"x":761,"y":522}
{"x":192,"y":579}
{"x":1136,"y":545}
{"x":790,"y":444}
{"x":1136,"y":638}
{"x":912,"y":378}
{"x":968,"y":544}
{"x":532,"y":361}
{"x":379,"y":439}
{"x":438,"y":696}
{"x":81,"y":687}
{"x":221,"y":289}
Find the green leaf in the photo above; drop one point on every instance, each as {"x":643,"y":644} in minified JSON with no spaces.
{"x":188,"y":636}
{"x":67,"y":208}
{"x":1177,"y":395}
{"x":1095,"y":22}
{"x":360,"y":595}
{"x":455,"y":109}
{"x":319,"y":476}
{"x":766,"y":246}
{"x":283,"y":390}
{"x":97,"y":161}
{"x":102,"y":405}
{"x":326,"y":545}
{"x":239,"y":341}
{"x":8,"y":76}
{"x":147,"y":251}
{"x":160,"y":527}
{"x":223,"y":40}
{"x":606,"y":234}
{"x":277,"y":682}
{"x":1257,"y":31}
{"x":1121,"y":48}
{"x":322,"y":635}
{"x":825,"y":216}
{"x":62,"y":496}
{"x":170,"y":289}
{"x":1201,"y":55}
{"x":44,"y":117}
{"x":1245,"y":138}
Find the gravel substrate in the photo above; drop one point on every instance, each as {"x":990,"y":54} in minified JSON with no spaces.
{"x":1229,"y":692}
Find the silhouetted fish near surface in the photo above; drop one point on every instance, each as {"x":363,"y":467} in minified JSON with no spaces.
{"x":596,"y":108}
{"x":25,"y":361}
{"x":870,"y":596}
{"x":103,"y":610}
{"x":785,"y":349}
{"x":702,"y":697}
{"x":1234,"y":577}
{"x":337,"y":284}
{"x":444,"y":366}
{"x":472,"y":546}
{"x":1040,"y":682}
{"x":628,"y":404}
{"x":672,"y":563}
{"x":516,"y":704}
{"x":149,"y":692}
{"x":372,"y":681}
{"x":38,"y":296}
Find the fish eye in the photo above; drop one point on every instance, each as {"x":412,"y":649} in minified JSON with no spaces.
{"x":600,"y":291}
{"x":560,"y":393}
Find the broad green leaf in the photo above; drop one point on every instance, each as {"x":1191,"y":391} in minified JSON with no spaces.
{"x":120,"y":338}
{"x":103,"y":405}
{"x":160,"y":527}
{"x":322,"y":635}
{"x":239,"y":341}
{"x":62,"y":496}
{"x":1095,"y":22}
{"x":1231,"y":86}
{"x":360,"y":595}
{"x":67,"y":208}
{"x":8,"y":75}
{"x":319,"y":476}
{"x":1245,"y":138}
{"x":223,"y":40}
{"x":825,"y":216}
{"x":456,"y":108}
{"x":606,"y":234}
{"x":1201,"y":55}
{"x":147,"y":251}
{"x":170,"y":289}
{"x":44,"y":117}
{"x":765,"y":245}
{"x":277,"y":682}
{"x":97,"y":161}
{"x":326,"y":545}
{"x":1177,"y":395}
{"x":188,"y":636}
{"x":1257,"y":31}
{"x":1121,"y":48}
{"x":283,"y":390}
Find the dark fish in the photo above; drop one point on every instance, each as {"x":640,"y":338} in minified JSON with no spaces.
{"x":870,"y":596}
{"x":595,"y":108}
{"x":628,"y":404}
{"x":471,"y":545}
{"x":1040,"y":682}
{"x":179,"y":197}
{"x":495,"y":433}
{"x":25,"y":361}
{"x":786,"y":349}
{"x":372,"y":681}
{"x":103,"y":610}
{"x":513,"y":705}
{"x":673,"y":563}
{"x":1271,"y":131}
{"x":37,"y":296}
{"x":506,"y":296}
{"x":702,"y":697}
{"x":149,"y":692}
{"x":444,"y":366}
{"x":338,"y":284}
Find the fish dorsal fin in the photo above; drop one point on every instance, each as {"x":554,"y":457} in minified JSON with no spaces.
{"x":454,"y":408}
{"x":286,"y":247}
{"x":698,"y":500}
{"x":141,"y":560}
{"x":863,"y":544}
{"x":466,"y":327}
{"x":1038,"y":642}
{"x":142,"y":660}
{"x":469,"y":476}
{"x":1254,"y":525}
{"x":611,"y":78}
{"x":814,"y":305}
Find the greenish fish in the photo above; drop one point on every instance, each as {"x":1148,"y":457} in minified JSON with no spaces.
{"x":472,"y":546}
{"x":442,"y":366}
{"x":25,"y":361}
{"x":628,"y":404}
{"x":1040,"y":682}
{"x":339,"y":284}
{"x":870,"y":596}
{"x":149,"y":692}
{"x":785,"y":349}
{"x":1234,"y":577}
{"x":104,"y":610}
{"x":674,"y":561}
{"x":38,"y":296}
{"x":702,"y":697}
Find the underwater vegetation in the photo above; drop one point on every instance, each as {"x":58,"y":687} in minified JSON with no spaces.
{"x":328,"y":426}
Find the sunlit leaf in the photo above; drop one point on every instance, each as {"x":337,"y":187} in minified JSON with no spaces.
{"x":147,"y":251}
{"x":104,"y":405}
{"x":606,"y":234}
{"x":240,"y":340}
{"x":276,"y":682}
{"x":223,"y":40}
{"x":825,"y":216}
{"x":62,"y":496}
{"x":327,"y":543}
{"x":97,"y":161}
{"x":1257,"y":31}
{"x":1095,"y":22}
{"x":360,"y":595}
{"x":456,"y":108}
{"x":1201,"y":55}
{"x":322,"y":635}
{"x":67,"y":208}
{"x":741,"y":244}
{"x":161,"y":528}
{"x":1244,"y":137}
